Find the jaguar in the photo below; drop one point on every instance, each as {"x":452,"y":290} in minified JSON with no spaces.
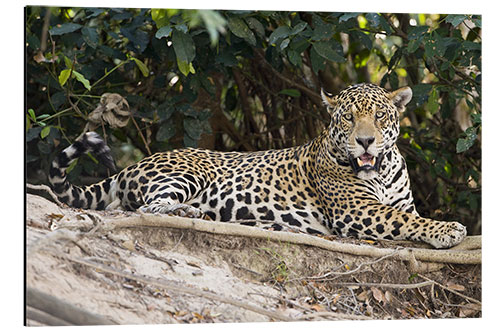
{"x":351,"y":180}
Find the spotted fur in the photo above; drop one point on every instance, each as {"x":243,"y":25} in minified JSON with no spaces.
{"x":351,"y":180}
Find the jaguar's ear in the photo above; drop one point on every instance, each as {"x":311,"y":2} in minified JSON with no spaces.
{"x":329,"y":100}
{"x":401,"y":97}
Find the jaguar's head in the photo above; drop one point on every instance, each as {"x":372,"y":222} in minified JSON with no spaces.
{"x":365,"y":125}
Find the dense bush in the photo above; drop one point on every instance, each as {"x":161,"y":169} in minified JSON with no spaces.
{"x":250,"y":80}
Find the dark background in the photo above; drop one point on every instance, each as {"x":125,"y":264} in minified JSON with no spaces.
{"x":250,"y":80}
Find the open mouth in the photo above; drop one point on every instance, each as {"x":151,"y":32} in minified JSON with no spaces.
{"x":365,"y":162}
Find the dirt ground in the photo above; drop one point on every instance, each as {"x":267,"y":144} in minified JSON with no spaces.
{"x":151,"y":275}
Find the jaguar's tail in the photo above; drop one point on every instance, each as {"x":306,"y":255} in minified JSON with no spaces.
{"x":96,"y":196}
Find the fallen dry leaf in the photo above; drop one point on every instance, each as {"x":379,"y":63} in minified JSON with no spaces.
{"x":197,"y":315}
{"x":362,"y":296}
{"x":378,"y":295}
{"x":193,"y":264}
{"x":388,"y":296}
{"x":318,"y":307}
{"x":454,"y":286}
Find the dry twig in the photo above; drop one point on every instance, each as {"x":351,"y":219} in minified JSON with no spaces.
{"x":451,"y":290}
{"x":385,"y":285}
{"x":333,"y":316}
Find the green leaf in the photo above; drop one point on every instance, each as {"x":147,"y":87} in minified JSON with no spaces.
{"x":347,"y":17}
{"x":318,"y":62}
{"x":477,"y":21}
{"x":416,"y":32}
{"x":164,"y":31}
{"x":64,"y":76}
{"x":433,"y":101}
{"x":324,"y":49}
{"x":45,"y":131}
{"x":33,"y":133}
{"x":323,"y":31}
{"x":138,"y":39}
{"x":166,"y":131}
{"x":204,"y":115}
{"x":394,"y":80}
{"x":64,"y":29}
{"x":33,"y":42}
{"x":476,"y":118}
{"x":94,"y":12}
{"x":298,"y":28}
{"x":68,"y":62}
{"x":373,"y":19}
{"x":256,"y":26}
{"x":290,"y":92}
{"x":182,"y":27}
{"x":434,"y":45}
{"x":193,"y":127}
{"x":241,"y":29}
{"x":455,"y":19}
{"x":471,"y":45}
{"x":90,"y":36}
{"x":280,"y":32}
{"x":79,"y":77}
{"x":294,"y":57}
{"x":185,"y":67}
{"x":363,"y":38}
{"x":71,"y":166}
{"x":412,"y":46}
{"x":284,"y":43}
{"x":420,"y":94}
{"x":142,"y":66}
{"x":463,"y":145}
{"x":160,"y":17}
{"x":183,"y":46}
{"x":32,"y":115}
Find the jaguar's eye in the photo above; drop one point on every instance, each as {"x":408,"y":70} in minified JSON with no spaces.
{"x":380,"y":114}
{"x":348,"y":116}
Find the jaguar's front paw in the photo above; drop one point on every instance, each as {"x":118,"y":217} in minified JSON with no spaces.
{"x":447,"y":234}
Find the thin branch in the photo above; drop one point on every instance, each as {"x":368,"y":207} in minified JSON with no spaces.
{"x":385,"y":285}
{"x":141,"y":135}
{"x":334,"y":315}
{"x":451,"y":290}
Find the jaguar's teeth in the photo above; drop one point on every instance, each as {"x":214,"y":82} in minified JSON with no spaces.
{"x":370,"y":162}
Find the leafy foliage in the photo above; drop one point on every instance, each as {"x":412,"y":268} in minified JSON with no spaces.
{"x":249,"y":80}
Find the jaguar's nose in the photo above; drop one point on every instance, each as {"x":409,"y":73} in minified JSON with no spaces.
{"x":365,"y":142}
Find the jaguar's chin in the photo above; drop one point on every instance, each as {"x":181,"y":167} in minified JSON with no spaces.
{"x":365,"y":166}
